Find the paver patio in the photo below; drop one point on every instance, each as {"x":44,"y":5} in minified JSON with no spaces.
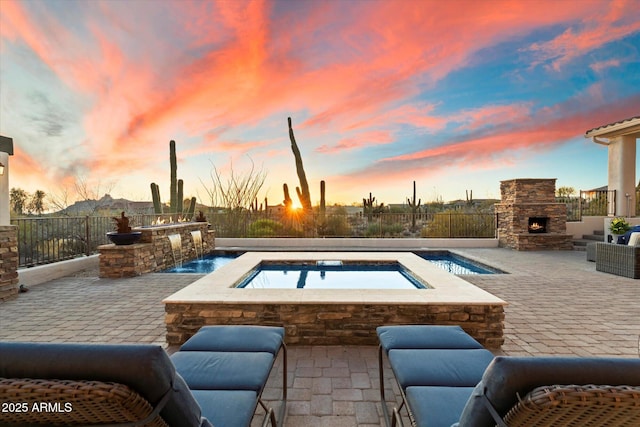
{"x":558,"y":305}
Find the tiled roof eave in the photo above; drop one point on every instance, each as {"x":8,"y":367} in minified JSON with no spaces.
{"x":622,"y":127}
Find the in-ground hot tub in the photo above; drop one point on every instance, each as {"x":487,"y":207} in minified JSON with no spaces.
{"x":334,"y":316}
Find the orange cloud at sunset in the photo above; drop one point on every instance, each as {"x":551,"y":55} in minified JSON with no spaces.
{"x":386,"y":86}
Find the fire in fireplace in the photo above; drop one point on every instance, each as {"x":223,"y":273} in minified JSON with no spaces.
{"x":538,"y":224}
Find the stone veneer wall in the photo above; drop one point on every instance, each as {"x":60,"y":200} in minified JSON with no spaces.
{"x":153,"y":252}
{"x":525,"y":198}
{"x":8,"y":261}
{"x":333,"y":324}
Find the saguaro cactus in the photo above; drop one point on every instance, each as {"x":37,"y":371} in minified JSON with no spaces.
{"x":173,"y":184}
{"x":287,"y":200}
{"x":192,"y":208}
{"x":414,"y":206}
{"x":303,"y":190}
{"x":180,"y":197}
{"x":176,"y":187}
{"x":323,"y":207}
{"x":367,"y":205}
{"x":155,"y":194}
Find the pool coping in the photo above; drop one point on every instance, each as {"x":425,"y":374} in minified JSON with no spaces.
{"x":446,"y":288}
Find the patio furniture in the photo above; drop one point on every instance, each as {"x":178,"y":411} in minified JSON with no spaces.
{"x":549,"y":391}
{"x":86,"y":384}
{"x":140,"y":384}
{"x":621,"y":260}
{"x":238,"y":357}
{"x":591,"y":251}
{"x":512,"y":391}
{"x":436,"y":358}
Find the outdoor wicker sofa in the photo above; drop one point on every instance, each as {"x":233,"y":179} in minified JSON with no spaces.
{"x":437,"y":390}
{"x":140,"y":385}
{"x":621,"y":260}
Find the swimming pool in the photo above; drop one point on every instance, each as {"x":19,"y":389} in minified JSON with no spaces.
{"x":330,"y":275}
{"x":206,"y":264}
{"x":446,"y":260}
{"x":456,"y":264}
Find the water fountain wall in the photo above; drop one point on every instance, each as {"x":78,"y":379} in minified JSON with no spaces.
{"x":196,"y":236}
{"x":154,"y":251}
{"x":176,"y":249}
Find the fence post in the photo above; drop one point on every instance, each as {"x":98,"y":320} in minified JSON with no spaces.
{"x":87,"y":236}
{"x":449,"y":224}
{"x":580,"y":207}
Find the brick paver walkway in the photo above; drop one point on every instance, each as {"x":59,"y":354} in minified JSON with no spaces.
{"x":558,"y":305}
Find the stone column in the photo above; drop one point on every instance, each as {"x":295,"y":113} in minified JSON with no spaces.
{"x":622,"y":174}
{"x":8,"y":261}
{"x":4,"y":190}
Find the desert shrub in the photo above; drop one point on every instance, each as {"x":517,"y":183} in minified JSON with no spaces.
{"x":336,"y":225}
{"x":265,"y":228}
{"x":384,"y":230}
{"x":452,"y":225}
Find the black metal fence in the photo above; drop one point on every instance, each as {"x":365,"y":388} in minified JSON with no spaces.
{"x":44,"y":240}
{"x":593,"y":203}
{"x":407,"y":225}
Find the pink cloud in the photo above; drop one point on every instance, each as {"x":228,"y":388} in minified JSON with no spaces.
{"x":351,"y":68}
{"x":600,"y":66}
{"x":593,"y":32}
{"x":544,"y":131}
{"x":359,"y":141}
{"x":491,"y":115}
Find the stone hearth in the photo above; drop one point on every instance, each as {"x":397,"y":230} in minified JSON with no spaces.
{"x":529,"y":217}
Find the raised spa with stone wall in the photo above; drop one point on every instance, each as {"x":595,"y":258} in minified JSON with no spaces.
{"x":330,"y":316}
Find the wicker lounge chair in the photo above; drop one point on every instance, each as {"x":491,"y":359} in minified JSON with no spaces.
{"x":88,"y":384}
{"x":84,"y":384}
{"x":621,"y":260}
{"x":512,"y":391}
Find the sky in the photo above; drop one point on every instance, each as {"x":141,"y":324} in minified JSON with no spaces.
{"x":456,"y":95}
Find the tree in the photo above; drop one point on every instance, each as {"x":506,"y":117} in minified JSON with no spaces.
{"x":236,"y":193}
{"x":37,"y":203}
{"x":18,"y":199}
{"x":565,"y":191}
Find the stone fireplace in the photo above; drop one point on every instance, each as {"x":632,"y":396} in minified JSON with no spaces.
{"x":529,"y":217}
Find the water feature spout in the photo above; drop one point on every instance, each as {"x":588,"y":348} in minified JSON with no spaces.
{"x":176,"y":249}
{"x":197,"y":243}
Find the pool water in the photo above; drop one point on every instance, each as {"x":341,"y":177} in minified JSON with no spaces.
{"x":452,"y":263}
{"x":205,"y":265}
{"x":456,"y":264}
{"x":347,"y":276}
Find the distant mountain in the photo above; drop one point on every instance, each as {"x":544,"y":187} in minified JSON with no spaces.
{"x":108,"y":203}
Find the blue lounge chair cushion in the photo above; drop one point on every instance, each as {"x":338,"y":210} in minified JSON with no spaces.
{"x":434,"y":367}
{"x":227,"y":408}
{"x":236,"y":338}
{"x":203,"y":370}
{"x":146,"y":369}
{"x":425,"y":336}
{"x":508,"y":377}
{"x":624,"y":239}
{"x":437,"y":406}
